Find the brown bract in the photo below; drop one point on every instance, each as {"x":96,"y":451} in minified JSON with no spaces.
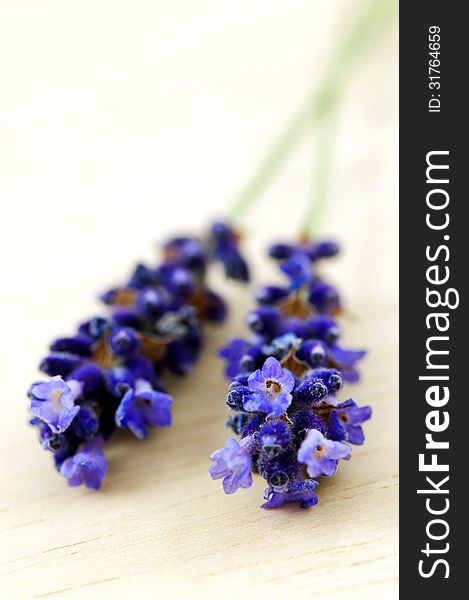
{"x":124,"y":297}
{"x":200,"y":302}
{"x":293,"y":364}
{"x":152,"y":347}
{"x":296,"y":306}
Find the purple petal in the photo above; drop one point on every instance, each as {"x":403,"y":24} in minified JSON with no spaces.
{"x":256,"y":381}
{"x":359,"y":415}
{"x":142,"y":407}
{"x":350,"y":375}
{"x":272,"y":369}
{"x":346,"y":358}
{"x":287,"y":380}
{"x":256,"y":402}
{"x":88,"y":466}
{"x":280,"y":405}
{"x":274,"y":499}
{"x":127,"y":416}
{"x":54,"y":402}
{"x":233,"y":463}
{"x":321,"y":454}
{"x":65,"y":419}
{"x":233,"y":482}
{"x":71,"y":393}
{"x":42,"y":390}
{"x":338,"y":450}
{"x":158,"y":413}
{"x":355,"y":435}
{"x":325,"y":466}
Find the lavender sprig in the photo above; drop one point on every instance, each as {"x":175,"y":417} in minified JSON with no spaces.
{"x":284,"y":382}
{"x":110,"y":373}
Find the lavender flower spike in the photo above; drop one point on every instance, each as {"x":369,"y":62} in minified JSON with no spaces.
{"x":285,"y":383}
{"x":110,"y":372}
{"x":233,"y":464}
{"x":271,"y":386}
{"x":54,"y":402}
{"x":321,"y":455}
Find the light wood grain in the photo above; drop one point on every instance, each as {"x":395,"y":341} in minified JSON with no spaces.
{"x":123,"y":126}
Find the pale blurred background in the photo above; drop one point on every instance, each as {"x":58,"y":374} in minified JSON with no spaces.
{"x":124,"y":122}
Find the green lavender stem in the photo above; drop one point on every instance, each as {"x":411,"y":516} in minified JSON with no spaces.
{"x":318,"y":104}
{"x":321,"y":174}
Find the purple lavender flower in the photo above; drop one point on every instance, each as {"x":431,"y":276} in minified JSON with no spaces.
{"x":224,"y":242}
{"x":45,"y":434}
{"x":233,"y":464}
{"x":271,"y":294}
{"x":60,"y":363}
{"x":350,"y":417}
{"x":298,"y":270}
{"x":279,"y":469}
{"x":318,"y":353}
{"x":310,"y":392}
{"x":271,"y":386}
{"x":313,"y":250}
{"x":86,"y":423}
{"x":78,"y":344}
{"x":54,"y":402}
{"x":143,"y":406}
{"x":124,"y":342}
{"x":264,"y":321}
{"x":274,"y":438}
{"x":233,"y":353}
{"x":324,"y":298}
{"x":345,"y":361}
{"x":280,"y":346}
{"x":88,"y":466}
{"x":313,"y":352}
{"x":216,"y":309}
{"x":300,"y":491}
{"x":152,"y":302}
{"x":321,"y":455}
{"x":181,"y":282}
{"x":186,"y":252}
